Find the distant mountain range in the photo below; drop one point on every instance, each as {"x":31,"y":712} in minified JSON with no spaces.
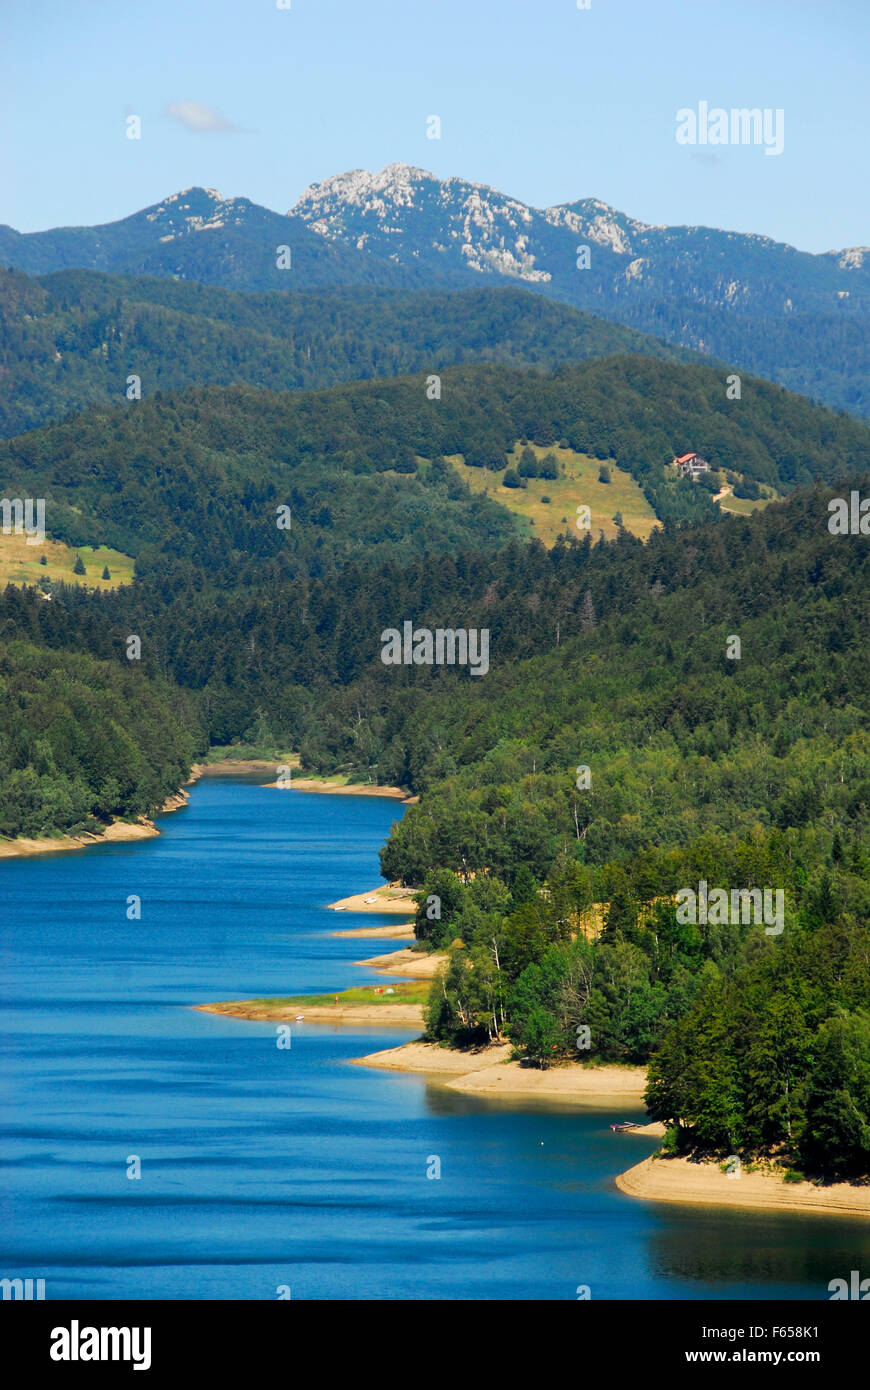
{"x":800,"y":319}
{"x":412,"y":218}
{"x":198,"y":235}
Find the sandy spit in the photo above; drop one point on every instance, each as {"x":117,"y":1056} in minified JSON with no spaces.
{"x":412,"y":964}
{"x":405,"y":1014}
{"x":489,"y":1072}
{"x":660,"y":1179}
{"x":228,"y":766}
{"x":389,"y":898}
{"x":429,"y":1057}
{"x":115,"y":831}
{"x":398,"y":931}
{"x":573,"y":1081}
{"x":320,"y":784}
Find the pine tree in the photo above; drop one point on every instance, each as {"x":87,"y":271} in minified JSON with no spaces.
{"x":79,"y":566}
{"x":587,"y":613}
{"x":106,"y":574}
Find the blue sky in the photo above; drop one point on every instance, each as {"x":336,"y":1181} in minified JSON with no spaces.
{"x":545,"y":102}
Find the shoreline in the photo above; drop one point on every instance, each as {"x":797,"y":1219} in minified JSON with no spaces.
{"x":333,"y":788}
{"x":399,"y":931}
{"x":119,"y":831}
{"x":662,"y":1179}
{"x":489,"y":1072}
{"x":278,"y":1011}
{"x":116,"y":832}
{"x":387,"y":897}
{"x":225,"y":766}
{"x":412,"y":965}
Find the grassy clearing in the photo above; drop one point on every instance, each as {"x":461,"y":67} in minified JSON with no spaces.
{"x":578,"y":485}
{"x":412,"y":992}
{"x":20,"y":563}
{"x":742,"y":506}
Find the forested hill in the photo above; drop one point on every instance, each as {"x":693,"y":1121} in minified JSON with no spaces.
{"x":630,"y":673}
{"x":71,"y":339}
{"x":83,"y":742}
{"x":742,"y":768}
{"x":199,"y":475}
{"x":305,"y":652}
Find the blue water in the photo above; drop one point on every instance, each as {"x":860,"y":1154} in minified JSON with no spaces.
{"x":263,"y":1167}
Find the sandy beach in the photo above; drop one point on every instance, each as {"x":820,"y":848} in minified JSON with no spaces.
{"x":429,"y":1057}
{"x":413,"y":965}
{"x":333,"y":785}
{"x":114,"y":832}
{"x":400,"y":931}
{"x":489,"y":1072}
{"x":570,"y":1082}
{"x":336,"y":788}
{"x":661,"y":1179}
{"x":386,"y":898}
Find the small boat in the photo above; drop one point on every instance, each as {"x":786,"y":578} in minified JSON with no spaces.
{"x":299,"y":1018}
{"x":624,"y":1125}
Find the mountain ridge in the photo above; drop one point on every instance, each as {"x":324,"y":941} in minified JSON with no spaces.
{"x":398,"y":177}
{"x":801,"y":319}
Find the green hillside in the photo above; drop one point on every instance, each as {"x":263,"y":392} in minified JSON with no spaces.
{"x":201,"y":474}
{"x":71,"y":339}
{"x":83,"y":742}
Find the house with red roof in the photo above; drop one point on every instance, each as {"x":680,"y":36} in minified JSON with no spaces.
{"x":690,"y":465}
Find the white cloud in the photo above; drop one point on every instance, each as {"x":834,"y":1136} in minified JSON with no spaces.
{"x":195,"y":115}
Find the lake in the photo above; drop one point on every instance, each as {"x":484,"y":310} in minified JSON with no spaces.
{"x":264,"y":1167}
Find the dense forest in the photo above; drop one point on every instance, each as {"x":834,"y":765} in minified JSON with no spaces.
{"x":752,"y":773}
{"x":823,"y":355}
{"x":199,"y":474}
{"x":618,"y":750}
{"x":84,"y":742}
{"x":71,"y":339}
